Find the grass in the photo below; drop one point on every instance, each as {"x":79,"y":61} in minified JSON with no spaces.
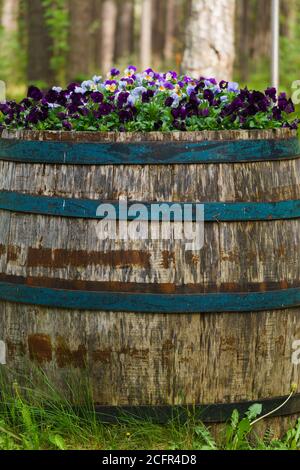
{"x":37,"y":416}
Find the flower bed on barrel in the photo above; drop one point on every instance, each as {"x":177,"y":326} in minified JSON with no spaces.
{"x":149,"y":101}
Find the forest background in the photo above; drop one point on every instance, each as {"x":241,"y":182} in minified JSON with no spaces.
{"x":49,"y":42}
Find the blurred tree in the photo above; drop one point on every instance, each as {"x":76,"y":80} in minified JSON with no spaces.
{"x":57,"y":21}
{"x":96,"y":35}
{"x":125,"y":29}
{"x":146,"y":35}
{"x":38,"y":44}
{"x":9,"y":15}
{"x":210,"y":39}
{"x":261,"y":29}
{"x":158,"y":29}
{"x":289,"y":13}
{"x":243,"y":38}
{"x":109,"y":23}
{"x":79,"y":38}
{"x":169,"y":31}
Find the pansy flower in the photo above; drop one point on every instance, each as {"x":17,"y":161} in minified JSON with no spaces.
{"x":111,"y":85}
{"x":171,"y":75}
{"x":130,"y":71}
{"x":89,"y":85}
{"x":97,"y":79}
{"x":34,"y":93}
{"x":186,"y":100}
{"x":148,"y":75}
{"x":233,"y":87}
{"x":113,"y":73}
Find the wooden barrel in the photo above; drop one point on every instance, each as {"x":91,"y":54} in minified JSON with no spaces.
{"x":156,"y":324}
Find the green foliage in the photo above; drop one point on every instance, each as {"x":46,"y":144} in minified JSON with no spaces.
{"x":289,"y":51}
{"x":34,"y":414}
{"x":57,"y":20}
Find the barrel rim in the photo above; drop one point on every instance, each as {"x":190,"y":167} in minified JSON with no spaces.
{"x":135,"y":137}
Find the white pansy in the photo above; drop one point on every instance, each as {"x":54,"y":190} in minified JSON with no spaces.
{"x":79,"y":89}
{"x":97,"y":79}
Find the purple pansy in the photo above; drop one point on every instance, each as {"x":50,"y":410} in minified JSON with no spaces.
{"x":179,"y":102}
{"x":122,"y":98}
{"x":34,"y":93}
{"x":97,"y":97}
{"x":271,"y":93}
{"x":67,"y":125}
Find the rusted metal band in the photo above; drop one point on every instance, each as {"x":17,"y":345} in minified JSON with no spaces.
{"x":148,"y":153}
{"x":87,"y":209}
{"x":213,"y":413}
{"x":150,"y":303}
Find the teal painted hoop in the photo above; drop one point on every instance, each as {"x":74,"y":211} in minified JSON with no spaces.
{"x":87,"y":209}
{"x":148,"y":153}
{"x":150,"y":303}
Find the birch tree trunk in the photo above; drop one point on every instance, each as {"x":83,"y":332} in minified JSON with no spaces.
{"x":109,"y":23}
{"x":146,"y":34}
{"x":210,"y":39}
{"x":9,"y":17}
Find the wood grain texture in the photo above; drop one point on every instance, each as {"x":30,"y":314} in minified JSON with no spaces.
{"x":155,"y":358}
{"x":161,"y":359}
{"x":274,"y":134}
{"x":247,"y":182}
{"x":235,"y":254}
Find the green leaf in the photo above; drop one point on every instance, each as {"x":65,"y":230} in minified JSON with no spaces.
{"x":57,"y":441}
{"x":254,"y":411}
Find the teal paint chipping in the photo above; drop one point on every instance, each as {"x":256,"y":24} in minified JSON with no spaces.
{"x":145,"y":153}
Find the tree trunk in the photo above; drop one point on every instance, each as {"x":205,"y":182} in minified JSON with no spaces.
{"x":9,"y":17}
{"x":158,"y":29}
{"x":80,"y":20}
{"x":125,"y":23}
{"x":169,"y":32}
{"x":210,"y":39}
{"x":261,"y":43}
{"x":96,"y":35}
{"x":109,"y":23}
{"x":146,"y":34}
{"x":39,"y":44}
{"x":289,"y":10}
{"x":243,"y":40}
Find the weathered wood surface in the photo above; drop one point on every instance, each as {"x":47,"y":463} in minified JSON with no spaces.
{"x":161,"y":359}
{"x":109,"y":137}
{"x":247,"y":182}
{"x":242,"y":256}
{"x":156,"y":358}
